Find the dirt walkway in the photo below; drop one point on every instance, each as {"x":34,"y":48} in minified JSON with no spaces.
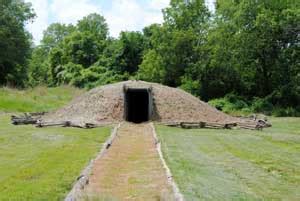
{"x":131,"y":169}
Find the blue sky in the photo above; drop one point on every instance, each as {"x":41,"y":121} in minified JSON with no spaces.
{"x":121,"y":15}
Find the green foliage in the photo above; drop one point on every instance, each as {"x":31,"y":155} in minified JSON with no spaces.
{"x":55,"y":34}
{"x":38,"y":71}
{"x":248,"y":48}
{"x":189,"y":85}
{"x":98,"y":75}
{"x":15,"y":41}
{"x":262,"y":105}
{"x":132,"y":44}
{"x":286,"y":112}
{"x":260,"y":37}
{"x":231,"y":104}
{"x":217,"y":81}
{"x":84,"y":55}
{"x":81,"y":48}
{"x":152,"y":68}
{"x":236,"y":105}
{"x":95,"y":25}
{"x":70,"y":74}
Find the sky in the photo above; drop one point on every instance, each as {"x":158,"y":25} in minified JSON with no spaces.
{"x":120,"y":15}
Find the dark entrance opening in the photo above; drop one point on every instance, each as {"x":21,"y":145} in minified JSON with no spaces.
{"x":137,"y":107}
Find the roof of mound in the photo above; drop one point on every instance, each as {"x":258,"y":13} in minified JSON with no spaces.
{"x":105,"y":104}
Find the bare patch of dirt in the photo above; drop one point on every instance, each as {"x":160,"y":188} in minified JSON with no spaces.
{"x":131,"y":169}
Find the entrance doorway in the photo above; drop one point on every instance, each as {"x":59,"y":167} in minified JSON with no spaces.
{"x":137,"y":105}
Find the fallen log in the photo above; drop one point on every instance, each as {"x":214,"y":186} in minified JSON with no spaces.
{"x":190,"y":125}
{"x":230,"y":125}
{"x":25,"y":120}
{"x":251,"y":125}
{"x":50,"y":124}
{"x":35,"y":118}
{"x":258,"y":124}
{"x":65,"y":124}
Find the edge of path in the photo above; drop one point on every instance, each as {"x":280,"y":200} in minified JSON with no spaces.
{"x":178,"y":195}
{"x":83,"y":179}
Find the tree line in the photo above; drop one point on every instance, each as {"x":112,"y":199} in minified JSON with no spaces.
{"x":245,"y":53}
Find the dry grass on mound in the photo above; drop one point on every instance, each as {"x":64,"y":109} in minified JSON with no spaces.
{"x":105,"y":104}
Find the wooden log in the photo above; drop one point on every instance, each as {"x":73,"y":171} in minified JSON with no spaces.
{"x":49,"y":124}
{"x":264,"y":123}
{"x":89,"y":125}
{"x":66,"y":124}
{"x":23,"y":120}
{"x":214,"y":127}
{"x":171,"y":124}
{"x":252,"y":125}
{"x":195,"y":125}
{"x":230,"y":125}
{"x":190,"y":125}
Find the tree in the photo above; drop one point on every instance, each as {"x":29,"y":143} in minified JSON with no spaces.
{"x":55,"y":34}
{"x":177,"y":42}
{"x":95,"y":24}
{"x":152,"y":69}
{"x":264,"y":31}
{"x":81,"y":48}
{"x":38,"y":71}
{"x":132,"y":44}
{"x":15,"y":41}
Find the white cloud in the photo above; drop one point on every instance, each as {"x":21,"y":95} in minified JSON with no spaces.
{"x":123,"y":15}
{"x":130,"y":15}
{"x":70,"y":11}
{"x":211,"y":5}
{"x":41,"y":21}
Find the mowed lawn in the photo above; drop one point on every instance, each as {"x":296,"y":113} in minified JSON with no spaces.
{"x":42,"y":163}
{"x":235,"y":164}
{"x":39,"y":99}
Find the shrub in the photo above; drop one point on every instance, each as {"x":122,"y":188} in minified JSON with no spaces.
{"x":190,"y":85}
{"x":219,"y":103}
{"x":262,"y":105}
{"x":286,"y":112}
{"x":231,"y":103}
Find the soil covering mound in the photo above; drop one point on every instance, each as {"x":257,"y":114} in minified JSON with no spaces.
{"x":106,"y":104}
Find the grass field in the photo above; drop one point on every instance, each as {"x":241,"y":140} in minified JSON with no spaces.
{"x":37,"y":99}
{"x":42,"y":164}
{"x":235,"y":164}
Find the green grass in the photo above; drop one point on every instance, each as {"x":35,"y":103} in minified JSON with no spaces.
{"x":235,"y":164}
{"x":42,"y":163}
{"x":37,"y":99}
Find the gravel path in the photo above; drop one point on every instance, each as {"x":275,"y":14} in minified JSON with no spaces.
{"x":131,"y":169}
